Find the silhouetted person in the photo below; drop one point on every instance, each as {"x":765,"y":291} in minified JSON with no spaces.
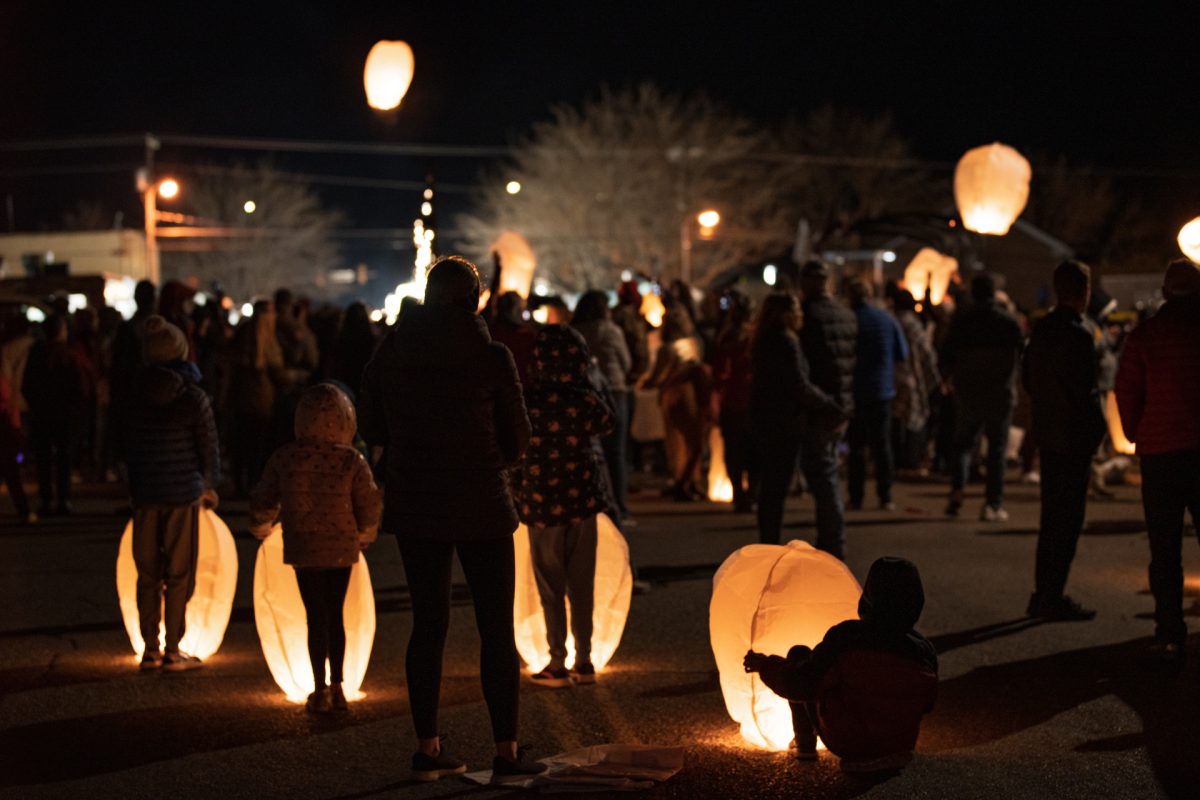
{"x":1059,"y":373}
{"x":979,"y":359}
{"x":733,"y":381}
{"x":628,"y":317}
{"x":509,"y":327}
{"x":12,"y":444}
{"x":353,"y":348}
{"x":1158,"y":394}
{"x":446,"y":401}
{"x":917,"y":379}
{"x":257,"y":380}
{"x":684,"y":383}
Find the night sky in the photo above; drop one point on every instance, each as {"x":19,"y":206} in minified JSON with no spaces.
{"x":1117,"y":90}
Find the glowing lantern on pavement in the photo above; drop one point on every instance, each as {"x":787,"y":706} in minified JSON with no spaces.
{"x":517,"y":262}
{"x":720,"y":487}
{"x":991,"y":187}
{"x":283,"y":628}
{"x":929,"y":271}
{"x":387,"y":74}
{"x":613,"y":589}
{"x":1116,"y":431}
{"x":769,"y":597}
{"x":1189,"y":240}
{"x":212,"y":599}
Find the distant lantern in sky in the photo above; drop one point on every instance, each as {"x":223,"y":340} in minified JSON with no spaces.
{"x":517,"y":262}
{"x":991,"y":187}
{"x":1189,"y":240}
{"x":769,"y":597}
{"x":929,"y":271}
{"x":387,"y":74}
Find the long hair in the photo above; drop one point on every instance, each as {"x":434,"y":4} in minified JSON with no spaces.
{"x":771,"y":316}
{"x":591,"y":307}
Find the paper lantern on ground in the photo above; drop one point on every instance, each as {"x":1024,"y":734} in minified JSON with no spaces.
{"x":929,"y":271}
{"x":1116,"y":431}
{"x":769,"y":597}
{"x":1189,"y":240}
{"x":212,"y":599}
{"x":283,"y":628}
{"x":720,"y":487}
{"x":614,"y":587}
{"x":991,"y":187}
{"x":388,"y":74}
{"x":517,"y":262}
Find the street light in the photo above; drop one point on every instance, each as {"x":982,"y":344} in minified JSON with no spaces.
{"x":1189,"y":240}
{"x":249,"y":206}
{"x":168,"y":189}
{"x":708,"y":220}
{"x":513,"y":187}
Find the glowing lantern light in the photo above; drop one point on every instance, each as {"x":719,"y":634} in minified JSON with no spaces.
{"x":387,"y":74}
{"x":517,"y":262}
{"x":720,"y":487}
{"x":283,"y":628}
{"x":1189,"y":240}
{"x":1116,"y":431}
{"x":212,"y":599}
{"x":991,"y":187}
{"x":929,"y":271}
{"x":653,"y":309}
{"x":613,"y":589}
{"x":769,"y":597}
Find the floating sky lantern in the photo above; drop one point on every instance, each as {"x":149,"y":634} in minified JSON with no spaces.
{"x":720,"y":487}
{"x":991,"y":187}
{"x":517,"y":263}
{"x":613,"y":590}
{"x":212,"y":599}
{"x":767,"y":598}
{"x":283,"y":628}
{"x":929,"y":271}
{"x":1189,"y":240}
{"x":388,"y":74}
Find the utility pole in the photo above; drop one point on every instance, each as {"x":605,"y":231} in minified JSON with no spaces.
{"x":148,"y":186}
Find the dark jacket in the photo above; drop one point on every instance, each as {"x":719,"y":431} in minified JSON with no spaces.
{"x":518,"y":338}
{"x":880,"y":346}
{"x":1158,"y":382}
{"x":1059,"y":372}
{"x":871,"y":679}
{"x":782,"y":395}
{"x":980,"y":357}
{"x":563,"y":480}
{"x":59,"y":385}
{"x":168,"y":437}
{"x":446,"y":402}
{"x":829,"y":339}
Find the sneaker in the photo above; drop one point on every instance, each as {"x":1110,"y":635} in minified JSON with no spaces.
{"x":150,"y":661}
{"x":318,"y":702}
{"x":337,"y":698}
{"x":1063,"y":609}
{"x":583,"y":673}
{"x":1031,"y":478}
{"x":992,"y":514}
{"x":887,"y":505}
{"x":553,"y":677}
{"x":180,"y":662}
{"x":955,"y":504}
{"x":506,"y":771}
{"x":432,"y":768}
{"x":803,"y":752}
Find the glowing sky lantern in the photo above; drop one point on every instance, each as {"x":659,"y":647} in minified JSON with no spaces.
{"x":1189,"y":240}
{"x":769,"y":597}
{"x":212,"y":600}
{"x":517,"y":262}
{"x":283,"y":629}
{"x":720,"y":487}
{"x":613,"y":590}
{"x":991,"y":187}
{"x":388,"y":74}
{"x":929,"y":271}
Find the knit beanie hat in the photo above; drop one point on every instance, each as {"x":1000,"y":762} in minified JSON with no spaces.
{"x":162,"y":342}
{"x":1181,"y":279}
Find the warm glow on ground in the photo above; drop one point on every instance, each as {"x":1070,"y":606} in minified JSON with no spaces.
{"x":720,"y":487}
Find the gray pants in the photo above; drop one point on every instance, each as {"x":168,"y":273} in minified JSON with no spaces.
{"x":164,"y":550}
{"x":564,"y":564}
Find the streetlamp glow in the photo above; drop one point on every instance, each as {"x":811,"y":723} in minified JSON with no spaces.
{"x":1189,"y":240}
{"x":708,"y":218}
{"x":249,"y":207}
{"x":513,"y":187}
{"x":388,"y":74}
{"x":168,"y":189}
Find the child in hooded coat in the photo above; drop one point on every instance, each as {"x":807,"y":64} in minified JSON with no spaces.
{"x":865,"y":687}
{"x":563,"y":486}
{"x":323,"y":494}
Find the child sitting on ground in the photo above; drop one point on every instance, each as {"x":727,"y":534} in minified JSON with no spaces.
{"x":865,"y":687}
{"x":321,"y":490}
{"x":563,"y":487}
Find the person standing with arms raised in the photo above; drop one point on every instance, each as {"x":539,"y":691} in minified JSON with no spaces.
{"x":445,"y":400}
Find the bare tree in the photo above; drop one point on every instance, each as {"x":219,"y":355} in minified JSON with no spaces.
{"x":288,"y":240}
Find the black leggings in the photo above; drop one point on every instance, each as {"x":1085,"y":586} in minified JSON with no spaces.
{"x":489,"y":569}
{"x":324,"y":593}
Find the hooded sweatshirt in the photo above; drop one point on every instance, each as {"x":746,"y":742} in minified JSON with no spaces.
{"x":319,"y":487}
{"x":873,"y":678}
{"x":446,"y":402}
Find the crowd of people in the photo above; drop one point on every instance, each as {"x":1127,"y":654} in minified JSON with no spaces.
{"x":475,"y":420}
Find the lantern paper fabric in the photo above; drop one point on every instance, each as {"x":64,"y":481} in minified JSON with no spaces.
{"x":1189,"y":240}
{"x":991,"y":187}
{"x":613,"y":590}
{"x":769,"y":597}
{"x":517,"y":262}
{"x":929,"y":271}
{"x":283,"y":628}
{"x":388,"y":74}
{"x":720,"y":487}
{"x":212,"y":600}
